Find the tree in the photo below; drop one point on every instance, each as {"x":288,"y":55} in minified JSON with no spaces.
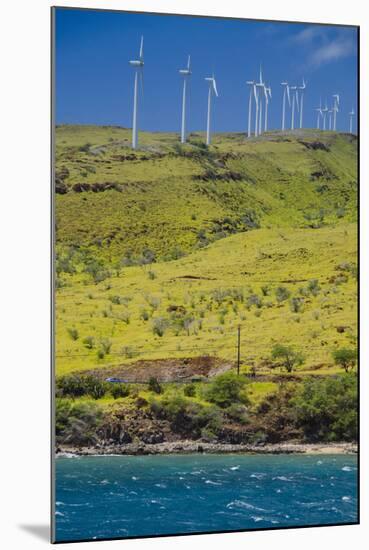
{"x":289,"y":358}
{"x":225,"y":390}
{"x":154,"y":385}
{"x":345,"y":358}
{"x":326,"y":409}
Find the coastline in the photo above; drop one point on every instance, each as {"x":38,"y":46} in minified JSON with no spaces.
{"x":195,"y":447}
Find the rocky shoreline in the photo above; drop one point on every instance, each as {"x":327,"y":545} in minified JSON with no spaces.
{"x":193,"y":447}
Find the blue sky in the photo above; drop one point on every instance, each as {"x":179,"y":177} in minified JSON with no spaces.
{"x":94,"y":82}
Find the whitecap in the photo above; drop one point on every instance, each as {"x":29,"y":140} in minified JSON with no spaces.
{"x":57,"y":513}
{"x":282,"y":478}
{"x":134,"y":478}
{"x":104,"y":482}
{"x":59,"y":503}
{"x":209,"y":482}
{"x":346,"y":499}
{"x":160,"y":485}
{"x":242,"y":504}
{"x":258,"y":476}
{"x":233,"y":468}
{"x":347,"y":469}
{"x":257,"y":518}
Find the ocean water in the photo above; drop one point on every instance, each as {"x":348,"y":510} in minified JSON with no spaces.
{"x":131,"y":496}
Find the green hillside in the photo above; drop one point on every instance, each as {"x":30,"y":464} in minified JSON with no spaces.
{"x":163,"y":252}
{"x":166,"y":200}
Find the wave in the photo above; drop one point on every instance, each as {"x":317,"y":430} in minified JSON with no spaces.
{"x":246,"y":505}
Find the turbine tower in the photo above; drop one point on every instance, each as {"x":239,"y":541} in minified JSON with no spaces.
{"x":330,"y":119}
{"x":320,"y":114}
{"x":212,"y":89}
{"x":268,"y":95}
{"x":324,"y":112}
{"x":336,"y":102}
{"x":286,"y":92}
{"x":186,"y":73}
{"x":295,"y":104}
{"x":302,"y":88}
{"x":351,"y":115}
{"x":137,"y":64}
{"x":250,"y":83}
{"x":260,"y":85}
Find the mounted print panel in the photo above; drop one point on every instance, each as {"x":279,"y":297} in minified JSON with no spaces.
{"x":205,"y":372}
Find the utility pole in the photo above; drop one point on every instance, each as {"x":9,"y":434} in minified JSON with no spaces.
{"x":238,"y":349}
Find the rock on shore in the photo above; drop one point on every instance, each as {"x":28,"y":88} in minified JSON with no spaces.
{"x":191,"y":447}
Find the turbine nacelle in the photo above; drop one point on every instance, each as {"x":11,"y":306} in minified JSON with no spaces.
{"x":187,"y":71}
{"x":137,"y":63}
{"x":212,"y":83}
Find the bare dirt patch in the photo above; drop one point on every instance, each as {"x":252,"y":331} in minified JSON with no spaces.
{"x":165,"y":370}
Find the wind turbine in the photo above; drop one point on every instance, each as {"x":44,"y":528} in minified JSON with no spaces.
{"x":186,"y":73}
{"x":336,"y":98}
{"x":260,"y":85}
{"x":295,"y":102}
{"x":212,"y":88}
{"x":138,"y":67}
{"x":250,"y":83}
{"x":286,"y":92}
{"x":330,"y":119}
{"x":351,"y":115}
{"x":302,"y":88}
{"x":324,"y":111}
{"x":320,"y":114}
{"x":268,"y":95}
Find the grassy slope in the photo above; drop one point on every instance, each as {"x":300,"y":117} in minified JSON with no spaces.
{"x":162,"y":206}
{"x":245,"y":261}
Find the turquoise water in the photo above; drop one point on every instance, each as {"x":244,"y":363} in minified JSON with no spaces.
{"x":124,"y":496}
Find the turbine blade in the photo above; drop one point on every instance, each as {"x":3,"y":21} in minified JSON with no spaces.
{"x":189,"y":62}
{"x":141,"y":47}
{"x":255,"y":94}
{"x":215,"y":87}
{"x":288,"y":95}
{"x":141,"y":81}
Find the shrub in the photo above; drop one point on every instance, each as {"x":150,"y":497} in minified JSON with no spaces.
{"x":88,"y":342}
{"x":73,"y":333}
{"x":151,"y":275}
{"x":238,"y":413}
{"x":154,"y":385}
{"x":105,"y":344}
{"x":345,"y":358}
{"x":119,"y":390}
{"x":287,"y":356}
{"x":125,"y":316}
{"x":225,"y":389}
{"x":254,"y":300}
{"x":282,"y":293}
{"x":187,"y":417}
{"x":326,"y":409}
{"x":115,"y":299}
{"x":144,"y":315}
{"x":189,"y":390}
{"x":313,"y":287}
{"x":265,"y":290}
{"x":79,"y":385}
{"x":296,"y":304}
{"x":159,"y":326}
{"x":77,"y":423}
